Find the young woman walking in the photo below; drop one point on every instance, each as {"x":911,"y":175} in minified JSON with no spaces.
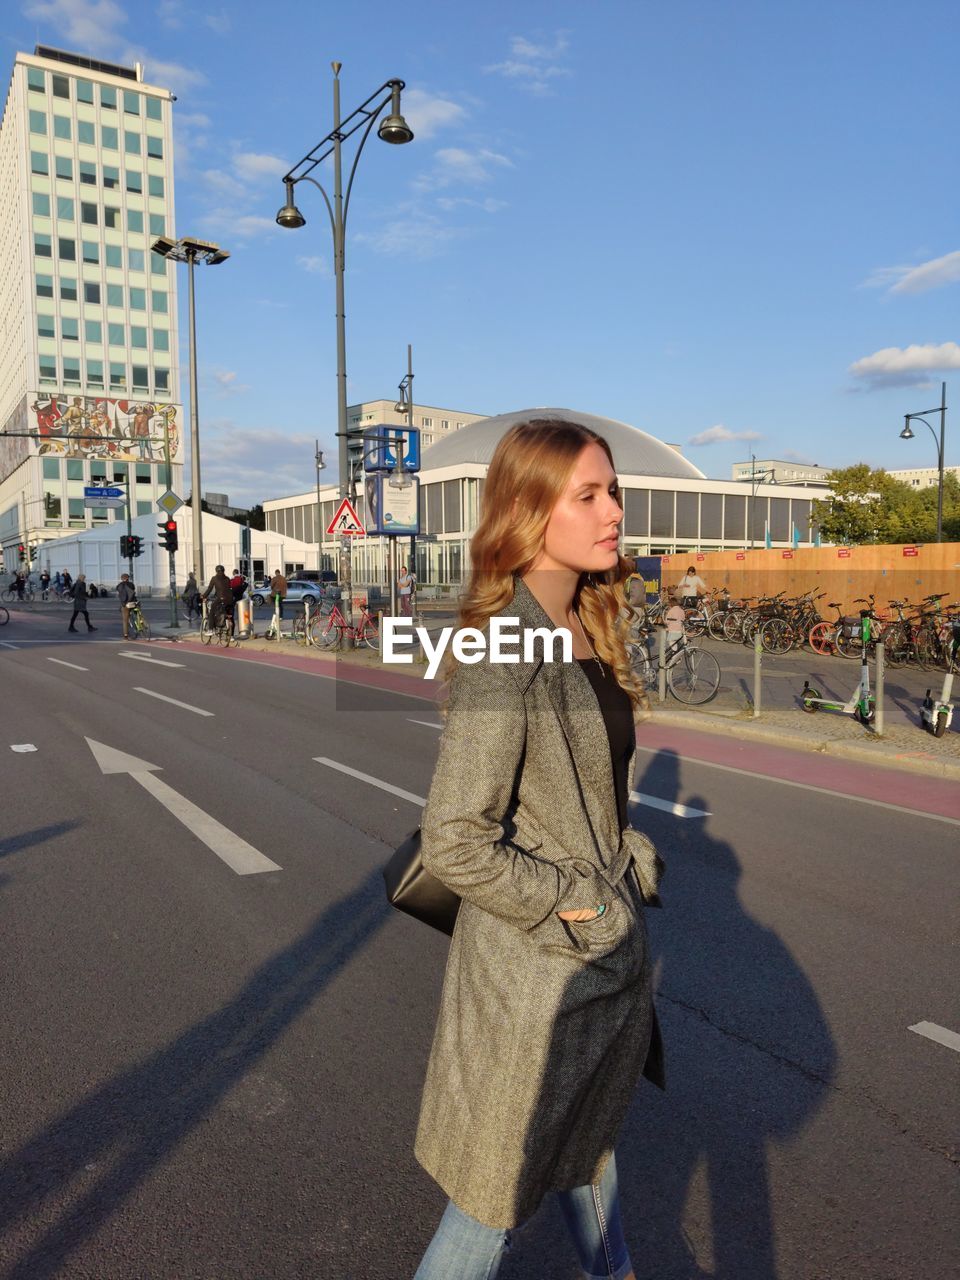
{"x":546,"y":1020}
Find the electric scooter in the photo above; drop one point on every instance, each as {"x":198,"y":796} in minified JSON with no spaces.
{"x":861,"y":704}
{"x":936,"y":714}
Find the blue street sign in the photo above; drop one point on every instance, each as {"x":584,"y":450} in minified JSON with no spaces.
{"x":380,"y":448}
{"x":94,"y":492}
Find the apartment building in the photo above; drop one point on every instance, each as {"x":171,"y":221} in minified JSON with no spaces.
{"x":89,"y":363}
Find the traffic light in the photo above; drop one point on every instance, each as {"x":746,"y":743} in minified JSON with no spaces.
{"x":136,"y":544}
{"x":169,"y":532}
{"x":34,"y":552}
{"x":21,"y":552}
{"x":124,"y":547}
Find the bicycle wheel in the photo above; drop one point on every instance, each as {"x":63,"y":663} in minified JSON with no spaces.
{"x":822,"y":638}
{"x":732,"y":625}
{"x":716,"y":625}
{"x":776,"y":635}
{"x":8,"y":596}
{"x":300,"y":629}
{"x":370,"y":635}
{"x":207,"y":632}
{"x":694,"y":677}
{"x":328,"y":634}
{"x":4,"y":616}
{"x":696,"y":624}
{"x":847,"y":646}
{"x":143,"y":628}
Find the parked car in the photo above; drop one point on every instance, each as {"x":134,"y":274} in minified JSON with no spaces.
{"x":298,"y":591}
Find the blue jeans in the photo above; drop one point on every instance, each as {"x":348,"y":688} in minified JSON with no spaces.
{"x":464,"y":1249}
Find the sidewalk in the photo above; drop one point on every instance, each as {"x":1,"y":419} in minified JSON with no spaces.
{"x":902,"y":747}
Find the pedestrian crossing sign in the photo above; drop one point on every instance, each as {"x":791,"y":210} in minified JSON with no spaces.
{"x":346,"y":520}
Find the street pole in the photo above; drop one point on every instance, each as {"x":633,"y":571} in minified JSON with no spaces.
{"x":412,"y":567}
{"x":943,"y":424}
{"x":753,"y":493}
{"x":129,"y":524}
{"x":346,"y":559}
{"x":197,"y":519}
{"x":318,"y":458}
{"x":171,"y":558}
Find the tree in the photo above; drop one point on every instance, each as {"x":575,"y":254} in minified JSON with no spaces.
{"x":867,"y":505}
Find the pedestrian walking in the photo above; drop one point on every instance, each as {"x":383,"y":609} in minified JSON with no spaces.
{"x":58,"y":584}
{"x":67,"y":582}
{"x":238,"y":585}
{"x":405,"y":590}
{"x":690,"y":587}
{"x":278,"y":587}
{"x":546,"y":1018}
{"x":80,"y":603}
{"x":127,"y":593}
{"x":191,"y":594}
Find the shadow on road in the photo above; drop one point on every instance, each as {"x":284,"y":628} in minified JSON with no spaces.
{"x":131,"y":1123}
{"x":39,"y":835}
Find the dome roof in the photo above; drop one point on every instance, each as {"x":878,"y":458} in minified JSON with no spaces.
{"x":635,"y":452}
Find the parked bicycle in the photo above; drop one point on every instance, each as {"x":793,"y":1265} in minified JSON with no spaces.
{"x":327,"y":631}
{"x":693,"y":674}
{"x":137,"y":624}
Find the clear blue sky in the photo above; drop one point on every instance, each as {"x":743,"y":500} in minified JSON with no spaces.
{"x":737,"y":219}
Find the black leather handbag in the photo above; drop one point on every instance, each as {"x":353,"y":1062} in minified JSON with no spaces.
{"x":413,"y":889}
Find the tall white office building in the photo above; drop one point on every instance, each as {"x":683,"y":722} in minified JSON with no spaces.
{"x":89,"y":364}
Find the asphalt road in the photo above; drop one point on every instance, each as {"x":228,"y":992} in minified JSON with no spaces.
{"x":210,"y":1073}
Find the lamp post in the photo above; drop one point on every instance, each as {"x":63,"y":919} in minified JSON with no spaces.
{"x":318,"y":459}
{"x":190,"y":251}
{"x":907,"y":434}
{"x":756,"y":479}
{"x":393,"y":129}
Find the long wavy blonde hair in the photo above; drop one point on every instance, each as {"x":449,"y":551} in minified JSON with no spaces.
{"x":529,"y":471}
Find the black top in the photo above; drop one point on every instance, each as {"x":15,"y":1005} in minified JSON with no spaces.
{"x":617,"y":711}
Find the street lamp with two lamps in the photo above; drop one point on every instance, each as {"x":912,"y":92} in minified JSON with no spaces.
{"x":394,"y":129}
{"x":907,"y":434}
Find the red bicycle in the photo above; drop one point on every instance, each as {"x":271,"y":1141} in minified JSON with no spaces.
{"x":327,"y":630}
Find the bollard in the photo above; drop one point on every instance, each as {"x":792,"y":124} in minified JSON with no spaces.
{"x":662,"y":666}
{"x":757,"y":682}
{"x":881,"y":673}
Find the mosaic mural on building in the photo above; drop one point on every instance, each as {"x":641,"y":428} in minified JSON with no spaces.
{"x":95,"y":427}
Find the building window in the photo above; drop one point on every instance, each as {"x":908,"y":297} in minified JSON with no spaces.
{"x":113,"y":255}
{"x":141,"y":377}
{"x":111,"y":217}
{"x":109,"y":137}
{"x":91,"y":292}
{"x":158,"y":265}
{"x":93,"y":331}
{"x":46,"y":326}
{"x":95,"y":373}
{"x":138,"y":336}
{"x":143,"y":473}
{"x":154,"y":109}
{"x":85,"y":132}
{"x":131,"y":102}
{"x":108,"y":97}
{"x":157,"y":224}
{"x":84,"y":91}
{"x":42,"y":245}
{"x":426,"y":422}
{"x":51,"y":468}
{"x":119,"y":472}
{"x":64,"y":168}
{"x":161,"y":340}
{"x":67,"y":249}
{"x":88,"y":174}
{"x":60,"y":86}
{"x":155,"y":148}
{"x":155,"y":185}
{"x":160,"y":301}
{"x":76,"y":513}
{"x":71,"y":371}
{"x":114,"y":295}
{"x":134,"y":220}
{"x":135,"y":182}
{"x":74,"y":469}
{"x":88,"y":214}
{"x":131,"y":143}
{"x":40,"y":163}
{"x":65,"y":209}
{"x":161,"y":379}
{"x":135,"y":259}
{"x":48,"y":368}
{"x":41,"y":204}
{"x":36,"y":80}
{"x":445,"y":424}
{"x":38,"y":122}
{"x":68,"y":289}
{"x":116,"y":335}
{"x":111,"y":177}
{"x":118,"y":377}
{"x":61,"y":128}
{"x":138,"y":299}
{"x":44,"y":286}
{"x":70,"y":328}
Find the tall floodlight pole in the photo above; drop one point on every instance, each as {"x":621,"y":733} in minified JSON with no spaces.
{"x":190,"y":251}
{"x":392,"y":129}
{"x":318,"y":459}
{"x":907,"y":434}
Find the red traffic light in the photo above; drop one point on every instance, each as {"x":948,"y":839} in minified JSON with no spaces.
{"x":170,"y":526}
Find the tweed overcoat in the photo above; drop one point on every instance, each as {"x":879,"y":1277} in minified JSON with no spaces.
{"x":544,"y":1025}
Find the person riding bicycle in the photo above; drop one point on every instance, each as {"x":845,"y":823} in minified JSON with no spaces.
{"x":220,"y":589}
{"x":690,"y":587}
{"x":127,"y":594}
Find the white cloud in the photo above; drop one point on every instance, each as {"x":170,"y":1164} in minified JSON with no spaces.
{"x":427,"y":112}
{"x":315,"y":265}
{"x":791,"y":455}
{"x":719,"y":434}
{"x":90,"y":25}
{"x":531,"y":65}
{"x":489,"y":205}
{"x":227,"y":384}
{"x":219,"y":22}
{"x":906,"y":366}
{"x":416,"y":235}
{"x":253,"y":166}
{"x":458,"y":166}
{"x":933,"y":274}
{"x":253,"y":464}
{"x":228,"y":227}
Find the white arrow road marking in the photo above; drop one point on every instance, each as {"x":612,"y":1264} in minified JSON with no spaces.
{"x":429,"y":723}
{"x":940,"y":1034}
{"x":61,"y":663}
{"x":236,"y":853}
{"x":668,"y":806}
{"x":198,"y":711}
{"x":142,"y":657}
{"x":22,"y":746}
{"x":374,"y":782}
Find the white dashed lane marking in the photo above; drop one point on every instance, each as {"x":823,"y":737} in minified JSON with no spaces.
{"x":197,"y":711}
{"x":939,"y":1034}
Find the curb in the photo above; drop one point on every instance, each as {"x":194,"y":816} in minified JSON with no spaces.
{"x":870,"y":751}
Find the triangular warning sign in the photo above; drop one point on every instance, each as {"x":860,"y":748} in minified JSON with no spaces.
{"x":345,"y":520}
